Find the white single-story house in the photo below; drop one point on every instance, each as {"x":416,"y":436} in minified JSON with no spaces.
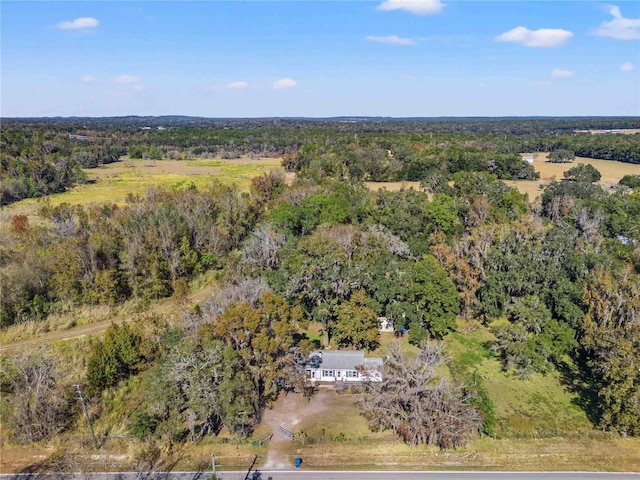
{"x":528,"y":159}
{"x":342,"y":366}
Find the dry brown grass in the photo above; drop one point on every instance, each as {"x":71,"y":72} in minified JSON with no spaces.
{"x":581,"y":454}
{"x":611,"y":172}
{"x":558,"y":454}
{"x":89,"y":320}
{"x":55,"y":322}
{"x":392,"y":186}
{"x":359,"y":448}
{"x":542,"y":455}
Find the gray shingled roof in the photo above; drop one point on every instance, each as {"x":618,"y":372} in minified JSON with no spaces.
{"x":373,"y":362}
{"x":344,"y":359}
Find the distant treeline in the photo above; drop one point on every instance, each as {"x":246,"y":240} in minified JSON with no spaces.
{"x":509,"y":125}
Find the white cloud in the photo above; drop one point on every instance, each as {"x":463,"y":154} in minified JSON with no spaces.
{"x":417,"y":7}
{"x":559,"y":73}
{"x":627,"y":67}
{"x":236,"y":85}
{"x":620,"y":28}
{"x":126,"y":79}
{"x":541,"y":83}
{"x":543,"y":37}
{"x":284,"y":83}
{"x":78,"y":23}
{"x":391,"y":40}
{"x":88,"y":79}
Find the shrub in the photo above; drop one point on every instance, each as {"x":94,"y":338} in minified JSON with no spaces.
{"x":115,"y":358}
{"x":141,"y":425}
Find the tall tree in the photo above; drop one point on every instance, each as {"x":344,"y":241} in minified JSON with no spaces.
{"x":611,"y":341}
{"x":266,"y":338}
{"x":434,"y":295}
{"x":357,"y":324}
{"x":417,"y":405}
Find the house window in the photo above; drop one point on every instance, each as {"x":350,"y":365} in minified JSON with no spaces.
{"x":328,"y":373}
{"x":352,"y":374}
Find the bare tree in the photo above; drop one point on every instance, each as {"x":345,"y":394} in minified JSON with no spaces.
{"x":262,"y":247}
{"x":244,"y":289}
{"x":417,"y":405}
{"x":589,"y":224}
{"x":41,"y":407}
{"x":391,"y":242}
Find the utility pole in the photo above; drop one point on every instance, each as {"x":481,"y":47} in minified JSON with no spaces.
{"x":86,"y":414}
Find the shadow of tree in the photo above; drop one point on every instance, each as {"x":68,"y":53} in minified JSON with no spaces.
{"x":578,"y":380}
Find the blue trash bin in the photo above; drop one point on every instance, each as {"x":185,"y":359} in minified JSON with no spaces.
{"x":298,"y":462}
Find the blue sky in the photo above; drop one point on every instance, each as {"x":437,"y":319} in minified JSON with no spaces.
{"x":396,"y":58}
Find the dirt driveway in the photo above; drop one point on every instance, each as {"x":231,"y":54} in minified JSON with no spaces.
{"x":288,"y":412}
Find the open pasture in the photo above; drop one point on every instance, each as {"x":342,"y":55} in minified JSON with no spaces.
{"x":624,"y":131}
{"x":392,"y":186}
{"x":112,"y":183}
{"x":610,"y":170}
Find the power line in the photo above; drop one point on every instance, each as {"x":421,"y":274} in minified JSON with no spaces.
{"x":86,"y":414}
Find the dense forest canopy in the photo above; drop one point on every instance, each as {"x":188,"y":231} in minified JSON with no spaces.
{"x":556,"y":281}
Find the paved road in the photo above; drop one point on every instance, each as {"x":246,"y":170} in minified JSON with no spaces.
{"x":425,"y":475}
{"x":335,"y":475}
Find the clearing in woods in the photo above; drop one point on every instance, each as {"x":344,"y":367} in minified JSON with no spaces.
{"x":610,"y":170}
{"x":112,"y":182}
{"x":624,"y":131}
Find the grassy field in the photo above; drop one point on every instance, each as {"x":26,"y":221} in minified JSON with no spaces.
{"x":611,"y":173}
{"x":392,"y":186}
{"x":112,"y":183}
{"x":625,"y":131}
{"x":539,"y":407}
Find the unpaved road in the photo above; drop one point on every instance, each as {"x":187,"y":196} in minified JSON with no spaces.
{"x":162,"y":306}
{"x":55,"y":336}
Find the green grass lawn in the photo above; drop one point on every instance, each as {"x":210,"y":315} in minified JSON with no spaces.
{"x":539,"y":407}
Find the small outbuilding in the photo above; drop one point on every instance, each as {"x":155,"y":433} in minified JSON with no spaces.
{"x":343,"y":366}
{"x":385,"y":325}
{"x":527,"y":159}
